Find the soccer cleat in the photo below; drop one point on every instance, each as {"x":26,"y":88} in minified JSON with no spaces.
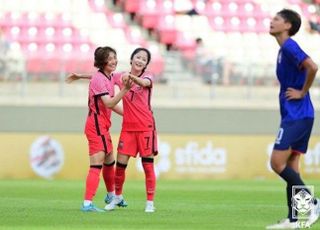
{"x":149,"y":207}
{"x":284,"y":224}
{"x":91,"y":208}
{"x":122,"y":204}
{"x":116,"y":201}
{"x":315,"y":213}
{"x":108,"y":199}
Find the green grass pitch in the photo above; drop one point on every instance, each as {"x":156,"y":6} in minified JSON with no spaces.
{"x":181,"y":204}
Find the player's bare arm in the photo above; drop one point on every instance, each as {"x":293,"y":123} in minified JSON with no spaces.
{"x":118,"y":109}
{"x":312,"y":68}
{"x":144,"y":82}
{"x":110,"y":102}
{"x":76,"y":76}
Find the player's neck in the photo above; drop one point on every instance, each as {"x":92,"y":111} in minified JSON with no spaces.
{"x":281,"y":38}
{"x":136,"y":73}
{"x":107,"y":73}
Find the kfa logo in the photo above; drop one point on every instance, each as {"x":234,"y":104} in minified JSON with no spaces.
{"x":303,"y":205}
{"x":46,"y":156}
{"x":302,"y":200}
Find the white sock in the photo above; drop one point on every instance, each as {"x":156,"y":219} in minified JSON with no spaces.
{"x":119,"y":197}
{"x":149,"y":202}
{"x":111,"y":193}
{"x":87,"y":202}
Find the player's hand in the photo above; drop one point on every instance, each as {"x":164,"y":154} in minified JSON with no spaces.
{"x":72,"y":77}
{"x":125,"y":77}
{"x":133,"y":77}
{"x":128,"y":84}
{"x":294,"y":94}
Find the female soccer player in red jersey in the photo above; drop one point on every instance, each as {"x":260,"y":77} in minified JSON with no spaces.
{"x":101,"y":100}
{"x":138,"y":134}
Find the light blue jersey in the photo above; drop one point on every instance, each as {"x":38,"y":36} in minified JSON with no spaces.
{"x":291,"y":75}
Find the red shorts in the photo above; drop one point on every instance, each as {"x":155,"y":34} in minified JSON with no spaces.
{"x":98,"y":143}
{"x":134,"y":142}
{"x":98,"y":136}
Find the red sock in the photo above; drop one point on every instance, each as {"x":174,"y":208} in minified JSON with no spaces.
{"x":150,"y":178}
{"x":108,"y":176}
{"x":120,"y":177}
{"x":92,"y":182}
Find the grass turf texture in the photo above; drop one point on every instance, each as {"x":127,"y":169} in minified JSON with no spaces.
{"x":183,"y":204}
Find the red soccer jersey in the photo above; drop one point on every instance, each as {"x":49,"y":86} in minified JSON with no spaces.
{"x":100,"y":85}
{"x":137,"y":112}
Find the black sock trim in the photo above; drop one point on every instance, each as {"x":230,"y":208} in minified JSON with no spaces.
{"x":109,"y":164}
{"x":147,"y":160}
{"x":96,"y":166}
{"x":121,"y":165}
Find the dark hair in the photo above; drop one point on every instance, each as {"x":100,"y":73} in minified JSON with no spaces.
{"x":101,"y":54}
{"x":137,"y":50}
{"x":293,"y":18}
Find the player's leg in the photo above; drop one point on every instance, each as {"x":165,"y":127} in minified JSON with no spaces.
{"x":108,"y":172}
{"x":150,"y":182}
{"x":120,"y":175}
{"x":279,"y":163}
{"x":127,"y":147}
{"x":293,"y":162}
{"x":147,"y":146}
{"x":108,"y":169}
{"x":279,"y":159}
{"x":286,"y":162}
{"x":92,"y":181}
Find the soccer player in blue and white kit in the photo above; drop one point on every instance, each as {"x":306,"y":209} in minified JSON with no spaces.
{"x":296,"y":72}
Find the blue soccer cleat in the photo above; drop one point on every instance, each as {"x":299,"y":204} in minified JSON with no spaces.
{"x":108,"y":198}
{"x":91,"y":208}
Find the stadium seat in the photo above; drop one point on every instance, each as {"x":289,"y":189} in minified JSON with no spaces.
{"x":132,"y":6}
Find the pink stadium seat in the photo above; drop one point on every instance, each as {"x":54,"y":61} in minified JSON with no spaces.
{"x":185,"y":43}
{"x":157,"y":65}
{"x":116,"y":20}
{"x":132,"y":6}
{"x":168,"y":36}
{"x":166,"y":29}
{"x":217,"y":23}
{"x":135,"y":38}
{"x":83,"y":64}
{"x":148,"y":14}
{"x":97,"y":8}
{"x":150,"y":20}
{"x":165,"y":7}
{"x":14,"y":19}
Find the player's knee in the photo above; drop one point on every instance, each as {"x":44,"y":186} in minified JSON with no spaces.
{"x":276,"y":166}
